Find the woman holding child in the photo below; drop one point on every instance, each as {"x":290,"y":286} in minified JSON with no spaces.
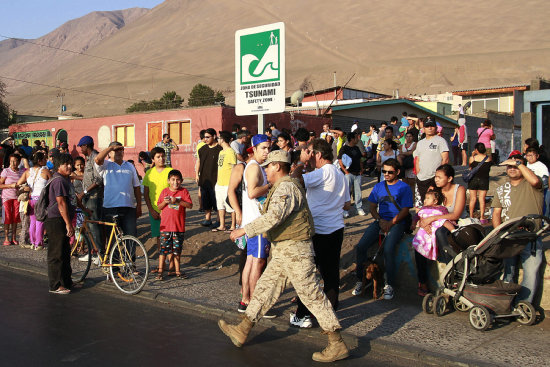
{"x":454,"y":201}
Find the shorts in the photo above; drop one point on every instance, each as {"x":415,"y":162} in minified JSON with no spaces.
{"x":171,"y":243}
{"x":11,"y":211}
{"x":464,"y":146}
{"x":258,"y":247}
{"x":221,"y":195}
{"x":479,"y":183}
{"x":208,"y":197}
{"x":155,"y":226}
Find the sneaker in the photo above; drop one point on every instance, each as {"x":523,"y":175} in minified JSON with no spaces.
{"x":206,"y":223}
{"x":269,"y":316}
{"x":304,"y":322}
{"x":357,"y":289}
{"x":39,"y":248}
{"x":95,"y":260}
{"x":346,"y":214}
{"x":25,"y":245}
{"x":388,"y":292}
{"x":84,"y":258}
{"x":361,"y":212}
{"x":242,"y":307}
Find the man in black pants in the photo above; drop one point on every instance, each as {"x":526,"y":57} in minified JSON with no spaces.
{"x":328,"y":196}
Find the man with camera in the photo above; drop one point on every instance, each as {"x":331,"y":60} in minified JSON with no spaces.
{"x":168,"y":145}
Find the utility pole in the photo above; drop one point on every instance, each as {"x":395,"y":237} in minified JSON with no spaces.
{"x":61,"y":95}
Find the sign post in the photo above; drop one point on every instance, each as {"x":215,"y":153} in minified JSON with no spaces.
{"x":260,"y":71}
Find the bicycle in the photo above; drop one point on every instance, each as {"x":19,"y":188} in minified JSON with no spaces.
{"x":127,"y":265}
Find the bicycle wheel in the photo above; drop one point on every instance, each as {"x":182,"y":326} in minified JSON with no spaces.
{"x":130,"y":265}
{"x":81,"y":258}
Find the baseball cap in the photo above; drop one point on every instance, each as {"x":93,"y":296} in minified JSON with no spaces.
{"x":430,"y":123}
{"x":513,"y":153}
{"x":277,"y":156}
{"x":85,"y":140}
{"x":258,"y":139}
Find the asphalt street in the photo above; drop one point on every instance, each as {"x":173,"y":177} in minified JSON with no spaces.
{"x":92,"y":327}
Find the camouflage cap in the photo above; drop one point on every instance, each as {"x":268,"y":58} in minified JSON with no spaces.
{"x":277,"y":156}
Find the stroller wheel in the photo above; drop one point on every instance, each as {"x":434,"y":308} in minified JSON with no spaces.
{"x":530,"y":314}
{"x":459,"y":306}
{"x":440,"y":305}
{"x":428,"y":303}
{"x":480,"y":318}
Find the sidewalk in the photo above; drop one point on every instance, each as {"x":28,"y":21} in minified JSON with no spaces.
{"x":396,"y":327}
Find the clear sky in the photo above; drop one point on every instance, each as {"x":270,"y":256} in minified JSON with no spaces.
{"x":35,"y":18}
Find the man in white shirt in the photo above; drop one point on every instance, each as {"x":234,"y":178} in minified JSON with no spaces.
{"x":121,"y":193}
{"x":327,"y":194}
{"x":238,"y":145}
{"x":431,"y":152}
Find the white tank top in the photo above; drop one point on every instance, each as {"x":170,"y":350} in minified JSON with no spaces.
{"x":36,"y":181}
{"x":251,"y":207}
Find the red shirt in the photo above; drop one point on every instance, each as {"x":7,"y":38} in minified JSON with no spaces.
{"x":172,"y":217}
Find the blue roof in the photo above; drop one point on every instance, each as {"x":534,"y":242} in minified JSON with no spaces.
{"x":396,"y":101}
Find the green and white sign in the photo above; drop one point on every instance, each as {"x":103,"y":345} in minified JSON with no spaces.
{"x":260,"y":70}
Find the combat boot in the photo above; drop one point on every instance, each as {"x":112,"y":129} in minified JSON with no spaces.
{"x":237,"y":333}
{"x":335,"y":350}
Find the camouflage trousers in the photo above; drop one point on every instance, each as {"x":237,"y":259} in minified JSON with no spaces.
{"x":292,"y":261}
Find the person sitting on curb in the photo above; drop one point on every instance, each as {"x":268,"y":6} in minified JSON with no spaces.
{"x":288,"y":224}
{"x":389,"y":206}
{"x":519,"y":196}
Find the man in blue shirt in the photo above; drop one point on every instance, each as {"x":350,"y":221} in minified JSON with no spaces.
{"x":390,"y":216}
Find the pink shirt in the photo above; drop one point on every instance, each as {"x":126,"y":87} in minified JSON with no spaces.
{"x":484,"y":136}
{"x":11,"y":178}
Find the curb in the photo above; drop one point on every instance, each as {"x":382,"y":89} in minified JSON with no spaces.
{"x":384,"y":347}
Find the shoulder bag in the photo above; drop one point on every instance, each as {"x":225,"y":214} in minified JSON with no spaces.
{"x":468,"y":175}
{"x":408,"y":218}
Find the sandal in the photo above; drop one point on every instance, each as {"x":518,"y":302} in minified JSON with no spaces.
{"x":154,"y":271}
{"x":7,"y":243}
{"x":61,"y":290}
{"x":159,"y":276}
{"x":181,"y":275}
{"x":219,"y":229}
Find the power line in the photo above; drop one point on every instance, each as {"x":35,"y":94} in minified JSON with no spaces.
{"x":85,"y":92}
{"x":114,"y":60}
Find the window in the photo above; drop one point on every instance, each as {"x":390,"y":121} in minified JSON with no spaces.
{"x":125,"y":135}
{"x":180,"y":132}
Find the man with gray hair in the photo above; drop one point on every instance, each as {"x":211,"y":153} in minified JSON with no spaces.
{"x":121,"y":194}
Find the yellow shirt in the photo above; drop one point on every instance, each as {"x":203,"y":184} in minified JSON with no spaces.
{"x":226,"y":160}
{"x":156,"y":182}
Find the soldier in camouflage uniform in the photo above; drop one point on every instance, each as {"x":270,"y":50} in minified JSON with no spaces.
{"x":288,"y":224}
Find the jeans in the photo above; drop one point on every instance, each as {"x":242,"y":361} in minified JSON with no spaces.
{"x":327,"y":249}
{"x":95,"y":204}
{"x":355,"y":183}
{"x":530,"y":263}
{"x":127,"y":221}
{"x":370,"y":238}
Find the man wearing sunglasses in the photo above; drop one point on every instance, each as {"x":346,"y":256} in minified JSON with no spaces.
{"x":521,"y":195}
{"x":389,"y":206}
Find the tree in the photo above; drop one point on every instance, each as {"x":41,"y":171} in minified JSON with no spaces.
{"x":5,"y":117}
{"x":203,"y":95}
{"x":168,"y":100}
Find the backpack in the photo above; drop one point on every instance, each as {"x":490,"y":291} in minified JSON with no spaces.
{"x":41,"y":207}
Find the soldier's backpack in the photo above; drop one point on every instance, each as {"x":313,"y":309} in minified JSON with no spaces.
{"x":41,"y":207}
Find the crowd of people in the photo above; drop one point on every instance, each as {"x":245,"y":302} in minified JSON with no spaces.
{"x":287,"y":195}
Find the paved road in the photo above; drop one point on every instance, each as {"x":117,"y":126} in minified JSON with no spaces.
{"x":91,"y":327}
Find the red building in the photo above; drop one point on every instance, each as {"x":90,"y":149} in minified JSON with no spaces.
{"x":141,"y":131}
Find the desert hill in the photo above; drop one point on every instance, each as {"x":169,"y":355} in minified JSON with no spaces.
{"x":418,"y":47}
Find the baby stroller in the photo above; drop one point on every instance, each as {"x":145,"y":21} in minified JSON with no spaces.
{"x":471,"y":280}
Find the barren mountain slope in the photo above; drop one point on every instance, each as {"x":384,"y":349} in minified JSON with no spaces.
{"x":23,"y":60}
{"x":418,"y":47}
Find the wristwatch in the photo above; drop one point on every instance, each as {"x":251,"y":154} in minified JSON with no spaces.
{"x":518,"y":162}
{"x":85,"y":192}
